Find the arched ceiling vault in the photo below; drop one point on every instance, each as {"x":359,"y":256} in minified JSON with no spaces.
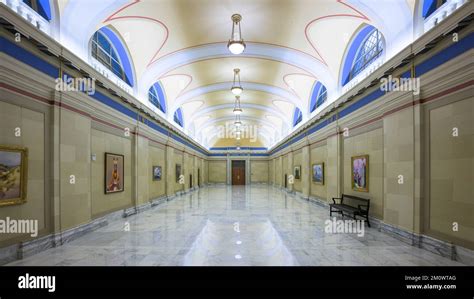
{"x":291,"y":45}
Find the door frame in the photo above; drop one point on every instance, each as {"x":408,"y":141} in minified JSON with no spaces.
{"x":244,"y":163}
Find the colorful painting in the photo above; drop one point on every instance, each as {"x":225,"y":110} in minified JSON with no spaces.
{"x":297,"y":173}
{"x":13,"y":175}
{"x":156,"y":173}
{"x":318,"y":173}
{"x":178,"y":172}
{"x":114,"y":173}
{"x":360,"y":173}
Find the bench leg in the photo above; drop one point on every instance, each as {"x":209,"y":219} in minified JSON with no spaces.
{"x":368,"y":223}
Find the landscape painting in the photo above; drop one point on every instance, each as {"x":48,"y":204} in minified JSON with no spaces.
{"x":360,"y":173}
{"x":318,"y":173}
{"x":114,"y":173}
{"x":13,"y":175}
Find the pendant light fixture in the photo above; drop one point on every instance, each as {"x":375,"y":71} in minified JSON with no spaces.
{"x":237,"y":110}
{"x":237,"y":122}
{"x":236,"y":86}
{"x":236,"y":44}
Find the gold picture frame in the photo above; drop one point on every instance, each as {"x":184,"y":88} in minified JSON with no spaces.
{"x":318,"y":178}
{"x":360,"y":173}
{"x":13,"y":175}
{"x":177,"y":172}
{"x":114,"y":173}
{"x":297,"y":172}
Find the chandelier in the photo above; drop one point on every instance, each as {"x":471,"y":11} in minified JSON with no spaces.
{"x":237,"y":109}
{"x":236,"y":44}
{"x":236,"y":86}
{"x":237,"y":122}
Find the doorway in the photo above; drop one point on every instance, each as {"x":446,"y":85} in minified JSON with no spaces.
{"x":190,"y":181}
{"x":238,"y":172}
{"x":199,"y":178}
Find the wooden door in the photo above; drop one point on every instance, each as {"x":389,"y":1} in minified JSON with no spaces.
{"x":238,"y":172}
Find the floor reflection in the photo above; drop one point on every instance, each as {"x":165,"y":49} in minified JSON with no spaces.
{"x":238,"y":242}
{"x":237,"y":226}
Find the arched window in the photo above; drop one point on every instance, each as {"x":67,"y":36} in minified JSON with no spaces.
{"x":430,"y":6}
{"x":108,"y":49}
{"x":366,"y":46}
{"x":370,"y":50}
{"x":157,"y":97}
{"x":42,"y":7}
{"x":297,"y":117}
{"x":319,"y":96}
{"x":178,"y":117}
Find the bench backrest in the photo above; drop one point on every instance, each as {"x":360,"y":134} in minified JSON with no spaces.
{"x":355,"y":201}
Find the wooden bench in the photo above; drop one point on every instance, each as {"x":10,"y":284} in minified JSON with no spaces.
{"x":353,"y":205}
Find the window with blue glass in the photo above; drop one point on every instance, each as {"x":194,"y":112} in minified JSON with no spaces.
{"x":178,"y":117}
{"x":366,"y":46}
{"x":318,"y":96}
{"x":430,"y":6}
{"x":157,"y":97}
{"x":297,"y":117}
{"x":371,"y":49}
{"x":42,"y":7}
{"x":108,"y":49}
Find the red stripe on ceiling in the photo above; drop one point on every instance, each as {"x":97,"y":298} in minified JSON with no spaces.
{"x":233,"y":57}
{"x":113,"y":18}
{"x":360,"y":16}
{"x":300,"y":74}
{"x":320,"y":58}
{"x":187,"y":85}
{"x":241,"y":56}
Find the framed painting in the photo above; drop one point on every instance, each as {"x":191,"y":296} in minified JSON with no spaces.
{"x":178,"y":172}
{"x":297,"y":172}
{"x":114,"y":173}
{"x":360,"y":173}
{"x":318,"y":173}
{"x":13,"y":175}
{"x":156,"y":173}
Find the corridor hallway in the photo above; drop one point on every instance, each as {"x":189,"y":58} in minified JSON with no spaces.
{"x":253,"y":225}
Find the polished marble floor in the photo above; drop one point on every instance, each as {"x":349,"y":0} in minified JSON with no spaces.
{"x":255,"y":225}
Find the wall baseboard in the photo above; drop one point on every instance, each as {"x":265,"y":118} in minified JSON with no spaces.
{"x":28,"y":248}
{"x":442,"y":248}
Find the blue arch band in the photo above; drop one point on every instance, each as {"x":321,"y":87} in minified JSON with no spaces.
{"x":159,"y":99}
{"x":314,"y":95}
{"x":178,"y":117}
{"x":429,"y":7}
{"x":297,"y":116}
{"x":351,"y":54}
{"x":161,"y":95}
{"x":122,"y":53}
{"x":43,"y":8}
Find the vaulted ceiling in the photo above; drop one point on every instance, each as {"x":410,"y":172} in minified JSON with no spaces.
{"x":291,"y":45}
